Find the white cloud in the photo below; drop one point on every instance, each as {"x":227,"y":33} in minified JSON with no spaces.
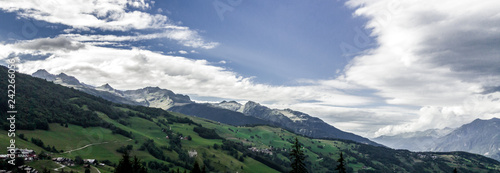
{"x":106,"y":14}
{"x":116,"y":15}
{"x":476,"y":106}
{"x":183,"y":52}
{"x":141,"y":4}
{"x":136,"y":68}
{"x":182,"y":35}
{"x":431,"y":54}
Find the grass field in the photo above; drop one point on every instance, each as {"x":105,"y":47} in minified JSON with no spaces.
{"x":101,"y":144}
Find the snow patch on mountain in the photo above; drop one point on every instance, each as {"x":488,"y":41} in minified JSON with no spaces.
{"x":291,"y":115}
{"x":107,"y":88}
{"x":230,"y":105}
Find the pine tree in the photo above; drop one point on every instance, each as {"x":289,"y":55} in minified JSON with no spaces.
{"x":341,"y":165}
{"x":204,"y":169}
{"x":196,"y":168}
{"x":126,"y":165}
{"x":297,"y":157}
{"x":137,"y":166}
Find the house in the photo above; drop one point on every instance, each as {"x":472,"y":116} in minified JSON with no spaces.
{"x":27,"y":154}
{"x":90,"y":161}
{"x":265,"y":151}
{"x":64,"y":161}
{"x":193,"y":153}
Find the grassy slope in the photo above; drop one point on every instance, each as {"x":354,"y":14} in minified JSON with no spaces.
{"x":106,"y":143}
{"x":278,"y":138}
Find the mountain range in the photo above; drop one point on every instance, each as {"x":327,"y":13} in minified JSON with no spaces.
{"x":64,"y":124}
{"x":228,"y":112}
{"x":479,"y":136}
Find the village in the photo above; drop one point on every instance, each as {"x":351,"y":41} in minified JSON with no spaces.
{"x":30,"y":155}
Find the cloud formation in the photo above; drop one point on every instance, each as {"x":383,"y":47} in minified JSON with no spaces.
{"x":48,"y":44}
{"x":432,"y":54}
{"x":137,"y":68}
{"x":107,"y":15}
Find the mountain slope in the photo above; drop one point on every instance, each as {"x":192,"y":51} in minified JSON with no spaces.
{"x":217,"y":114}
{"x":154,"y":136}
{"x":414,"y":141}
{"x":479,"y":136}
{"x":149,"y":96}
{"x":295,"y":121}
{"x":226,"y":112}
{"x":157,"y":97}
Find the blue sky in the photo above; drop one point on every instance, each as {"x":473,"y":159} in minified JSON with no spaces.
{"x":274,"y":41}
{"x":369,"y":67}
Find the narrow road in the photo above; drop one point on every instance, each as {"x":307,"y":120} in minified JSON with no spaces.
{"x":88,"y":145}
{"x":97,"y":169}
{"x":62,"y":166}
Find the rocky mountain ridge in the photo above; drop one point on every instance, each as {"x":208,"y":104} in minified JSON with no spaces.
{"x":230,"y":112}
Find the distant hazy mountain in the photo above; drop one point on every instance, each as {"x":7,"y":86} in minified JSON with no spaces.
{"x":225,"y":112}
{"x":414,"y":141}
{"x":296,"y":121}
{"x":480,"y":136}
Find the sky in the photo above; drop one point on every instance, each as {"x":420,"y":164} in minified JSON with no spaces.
{"x":370,"y":67}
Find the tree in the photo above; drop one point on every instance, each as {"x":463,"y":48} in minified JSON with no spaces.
{"x":297,"y":157}
{"x":45,"y":170}
{"x":137,"y":167}
{"x":196,"y":168}
{"x":79,"y":160}
{"x":455,"y":170}
{"x":19,"y":161}
{"x":87,"y":170}
{"x":204,"y":169}
{"x":341,"y":165}
{"x":126,"y":165}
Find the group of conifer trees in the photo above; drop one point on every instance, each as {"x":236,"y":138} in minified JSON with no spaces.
{"x":297,"y":157}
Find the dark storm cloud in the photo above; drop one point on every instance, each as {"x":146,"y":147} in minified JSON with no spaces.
{"x":466,"y":50}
